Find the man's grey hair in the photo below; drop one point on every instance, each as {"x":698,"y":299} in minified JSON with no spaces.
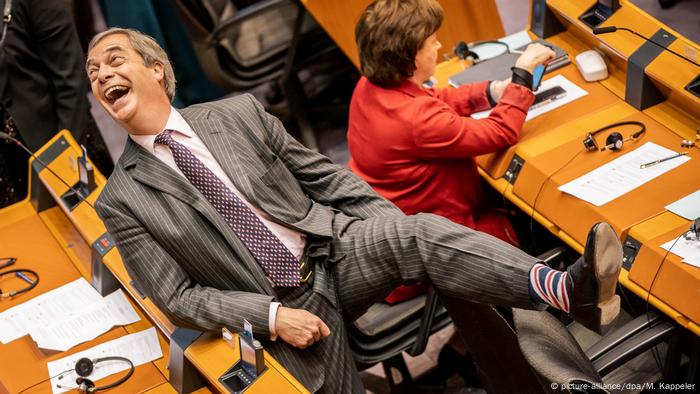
{"x":150,"y":51}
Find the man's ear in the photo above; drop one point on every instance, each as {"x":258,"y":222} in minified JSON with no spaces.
{"x":158,"y":71}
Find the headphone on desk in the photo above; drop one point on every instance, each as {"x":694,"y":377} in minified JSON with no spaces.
{"x":465,"y":51}
{"x":85,"y":366}
{"x":614,"y":140}
{"x":21,"y":273}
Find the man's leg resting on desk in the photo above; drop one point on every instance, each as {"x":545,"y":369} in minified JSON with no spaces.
{"x":381,"y":253}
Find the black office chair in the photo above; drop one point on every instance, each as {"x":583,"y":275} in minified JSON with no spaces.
{"x":385,"y":331}
{"x":562,"y":366}
{"x":267,"y":42}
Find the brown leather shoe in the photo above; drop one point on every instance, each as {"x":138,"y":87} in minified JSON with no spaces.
{"x":593,"y":278}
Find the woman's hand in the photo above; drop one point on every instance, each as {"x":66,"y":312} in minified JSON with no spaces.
{"x":534,"y":55}
{"x":497,"y":88}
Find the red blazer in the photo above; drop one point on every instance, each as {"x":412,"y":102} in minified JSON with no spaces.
{"x":416,"y":146}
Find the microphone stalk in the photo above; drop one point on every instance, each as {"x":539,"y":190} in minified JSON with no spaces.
{"x":612,"y":29}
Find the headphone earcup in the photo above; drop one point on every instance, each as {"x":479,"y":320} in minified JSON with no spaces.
{"x":83,"y":367}
{"x":85,"y":385}
{"x":615,"y":141}
{"x":461,"y":50}
{"x":589,"y":142}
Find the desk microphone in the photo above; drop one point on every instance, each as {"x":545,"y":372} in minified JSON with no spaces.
{"x":612,"y":29}
{"x":10,"y":138}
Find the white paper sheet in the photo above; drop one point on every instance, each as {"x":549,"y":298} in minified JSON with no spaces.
{"x":573,"y":92}
{"x":622,"y":175}
{"x":140,"y":348}
{"x":686,"y":248}
{"x":687,"y":207}
{"x":86,"y":324}
{"x":46,"y":308}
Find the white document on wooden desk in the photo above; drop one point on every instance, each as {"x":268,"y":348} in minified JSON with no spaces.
{"x":140,"y":348}
{"x":622,"y":175}
{"x":573,"y":92}
{"x":687,"y":247}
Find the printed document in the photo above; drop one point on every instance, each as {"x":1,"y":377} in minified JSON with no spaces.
{"x":687,"y":247}
{"x":66,"y":316}
{"x":622,"y":175}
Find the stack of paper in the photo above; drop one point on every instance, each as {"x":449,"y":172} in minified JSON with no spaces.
{"x":687,"y":247}
{"x":66,"y":316}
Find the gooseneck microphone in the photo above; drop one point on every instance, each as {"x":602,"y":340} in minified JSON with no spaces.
{"x":612,"y":29}
{"x":10,"y":138}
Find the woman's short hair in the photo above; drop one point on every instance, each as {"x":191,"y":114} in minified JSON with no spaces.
{"x":150,"y":51}
{"x":389,"y":35}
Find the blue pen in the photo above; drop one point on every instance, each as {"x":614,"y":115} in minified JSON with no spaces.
{"x":24,"y":277}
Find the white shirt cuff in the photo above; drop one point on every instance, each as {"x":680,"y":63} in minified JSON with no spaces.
{"x":272,"y":320}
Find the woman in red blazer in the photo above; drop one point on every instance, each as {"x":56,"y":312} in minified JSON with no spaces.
{"x":416,"y":145}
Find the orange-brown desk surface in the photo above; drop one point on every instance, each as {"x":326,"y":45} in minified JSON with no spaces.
{"x":24,"y":235}
{"x":551,"y":147}
{"x":213,"y":357}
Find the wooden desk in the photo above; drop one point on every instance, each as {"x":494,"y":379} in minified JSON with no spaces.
{"x":550,"y":141}
{"x":465,"y":20}
{"x":23,"y":234}
{"x":213,"y":357}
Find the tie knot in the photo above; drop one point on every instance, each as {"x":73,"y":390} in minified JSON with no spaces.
{"x":164,"y":138}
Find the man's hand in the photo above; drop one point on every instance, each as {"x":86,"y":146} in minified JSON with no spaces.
{"x":534,"y":55}
{"x":299,"y":328}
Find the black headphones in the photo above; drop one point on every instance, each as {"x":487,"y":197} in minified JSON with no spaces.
{"x":615,"y":140}
{"x":22,"y":274}
{"x":464,"y":51}
{"x":85,"y":366}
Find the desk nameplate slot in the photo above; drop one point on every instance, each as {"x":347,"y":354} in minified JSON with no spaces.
{"x":516,"y":164}
{"x":630,"y":249}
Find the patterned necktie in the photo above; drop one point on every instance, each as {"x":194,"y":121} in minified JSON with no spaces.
{"x":276,"y":260}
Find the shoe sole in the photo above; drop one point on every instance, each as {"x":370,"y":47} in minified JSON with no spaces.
{"x":608,"y":263}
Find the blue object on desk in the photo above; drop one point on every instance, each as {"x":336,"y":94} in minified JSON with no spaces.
{"x":537,"y":75}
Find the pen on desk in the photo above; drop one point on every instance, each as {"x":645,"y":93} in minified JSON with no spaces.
{"x":24,"y":277}
{"x":655,"y":162}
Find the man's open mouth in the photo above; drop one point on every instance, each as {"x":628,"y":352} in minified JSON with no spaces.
{"x":116,"y":92}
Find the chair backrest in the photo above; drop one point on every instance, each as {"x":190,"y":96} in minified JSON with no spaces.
{"x":241,"y":48}
{"x":554,"y":354}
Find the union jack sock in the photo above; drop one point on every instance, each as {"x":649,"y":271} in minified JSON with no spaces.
{"x":548,"y":286}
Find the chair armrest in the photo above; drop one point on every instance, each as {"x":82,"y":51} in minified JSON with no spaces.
{"x":426,"y":323}
{"x":621,"y":334}
{"x":245,"y":13}
{"x":634,"y":346}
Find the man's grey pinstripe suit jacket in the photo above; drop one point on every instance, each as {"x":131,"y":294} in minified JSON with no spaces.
{"x":181,"y":253}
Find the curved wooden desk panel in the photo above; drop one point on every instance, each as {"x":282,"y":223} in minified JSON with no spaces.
{"x":575,"y":216}
{"x":465,"y":20}
{"x":676,"y":283}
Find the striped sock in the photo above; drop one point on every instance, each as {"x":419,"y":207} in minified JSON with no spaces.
{"x":548,"y":286}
